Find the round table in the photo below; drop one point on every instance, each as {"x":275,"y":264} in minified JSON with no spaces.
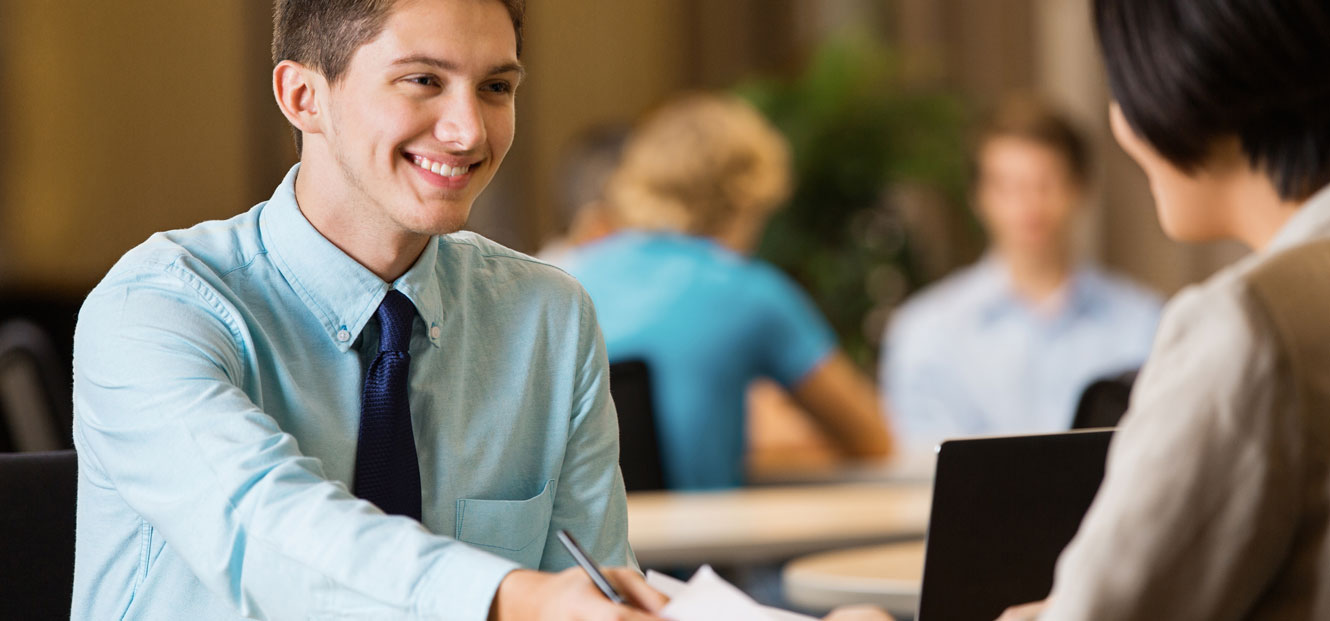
{"x":905,"y":468}
{"x":884,"y":575}
{"x":765,"y":524}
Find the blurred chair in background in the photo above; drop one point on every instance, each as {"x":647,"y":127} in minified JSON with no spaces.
{"x":676,"y":289}
{"x":35,"y":407}
{"x":37,"y":496}
{"x":1008,"y":344}
{"x":639,"y":449}
{"x":1104,"y":402}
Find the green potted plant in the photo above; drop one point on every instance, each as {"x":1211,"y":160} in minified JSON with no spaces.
{"x":868,"y":152}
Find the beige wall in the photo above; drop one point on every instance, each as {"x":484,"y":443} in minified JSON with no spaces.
{"x":124,"y":118}
{"x":985,"y":49}
{"x":120,"y":119}
{"x":588,"y":62}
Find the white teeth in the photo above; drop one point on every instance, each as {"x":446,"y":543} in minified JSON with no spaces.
{"x":438,"y":168}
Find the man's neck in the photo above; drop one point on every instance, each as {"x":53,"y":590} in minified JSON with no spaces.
{"x":1037,"y":277}
{"x":386,"y":251}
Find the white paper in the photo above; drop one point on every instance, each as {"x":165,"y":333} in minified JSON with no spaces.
{"x":708,"y":597}
{"x":669,"y":585}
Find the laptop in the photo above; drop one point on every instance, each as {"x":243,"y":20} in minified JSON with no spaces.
{"x":1003,"y":510}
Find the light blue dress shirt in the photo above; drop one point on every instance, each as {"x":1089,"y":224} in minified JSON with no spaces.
{"x":707,"y":322}
{"x":967,"y":356}
{"x":217,"y":382}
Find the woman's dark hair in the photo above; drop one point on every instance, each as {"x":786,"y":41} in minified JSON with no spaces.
{"x":1189,"y":72}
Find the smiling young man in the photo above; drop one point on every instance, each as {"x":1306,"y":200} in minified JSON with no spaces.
{"x":335,"y":405}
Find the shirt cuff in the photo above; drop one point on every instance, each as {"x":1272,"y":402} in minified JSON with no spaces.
{"x":463,"y":584}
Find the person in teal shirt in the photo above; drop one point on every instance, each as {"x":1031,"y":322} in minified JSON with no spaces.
{"x":676,"y":289}
{"x":218,"y":370}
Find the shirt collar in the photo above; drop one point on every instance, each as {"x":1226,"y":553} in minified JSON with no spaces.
{"x":1311,"y":220}
{"x":340,"y":292}
{"x":997,"y":297}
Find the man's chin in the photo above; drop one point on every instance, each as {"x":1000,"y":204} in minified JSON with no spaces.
{"x":444,"y":224}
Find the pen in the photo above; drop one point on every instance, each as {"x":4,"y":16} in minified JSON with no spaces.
{"x":589,"y":566}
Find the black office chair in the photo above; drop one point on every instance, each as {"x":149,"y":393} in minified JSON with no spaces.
{"x":35,"y":411}
{"x":639,"y":448}
{"x":1104,"y":402}
{"x":37,"y":492}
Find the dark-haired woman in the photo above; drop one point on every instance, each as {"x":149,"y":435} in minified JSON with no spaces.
{"x":1216,"y":504}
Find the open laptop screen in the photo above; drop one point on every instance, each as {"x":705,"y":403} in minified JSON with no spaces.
{"x":1003,"y":510}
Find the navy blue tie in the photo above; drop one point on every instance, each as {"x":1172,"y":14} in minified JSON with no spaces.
{"x":387,"y":471}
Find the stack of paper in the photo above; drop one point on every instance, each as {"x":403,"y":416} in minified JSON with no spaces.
{"x":708,"y":597}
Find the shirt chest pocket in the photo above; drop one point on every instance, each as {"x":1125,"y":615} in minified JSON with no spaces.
{"x":514,"y":529}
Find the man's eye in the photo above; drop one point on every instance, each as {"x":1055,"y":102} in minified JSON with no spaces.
{"x":500,"y":87}
{"x":423,"y":80}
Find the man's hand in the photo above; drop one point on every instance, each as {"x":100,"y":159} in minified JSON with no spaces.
{"x":858,"y":613}
{"x":570,"y":595}
{"x":1024,"y":612}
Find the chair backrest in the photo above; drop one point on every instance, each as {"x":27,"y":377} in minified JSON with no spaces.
{"x":37,"y":506}
{"x":1104,"y":402}
{"x":639,"y":448}
{"x":35,"y":413}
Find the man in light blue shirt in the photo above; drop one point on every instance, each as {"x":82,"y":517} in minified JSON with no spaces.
{"x":1008,"y":345}
{"x":971,"y":357}
{"x":219,"y":369}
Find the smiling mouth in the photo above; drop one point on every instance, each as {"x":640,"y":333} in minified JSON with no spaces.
{"x":439,"y":168}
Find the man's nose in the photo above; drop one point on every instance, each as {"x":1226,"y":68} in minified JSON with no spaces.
{"x":461,"y":122}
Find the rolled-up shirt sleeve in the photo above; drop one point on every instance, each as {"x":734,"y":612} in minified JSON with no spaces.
{"x":162,"y":420}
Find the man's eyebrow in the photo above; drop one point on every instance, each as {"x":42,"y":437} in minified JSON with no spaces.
{"x":513,"y":67}
{"x":448,"y":65}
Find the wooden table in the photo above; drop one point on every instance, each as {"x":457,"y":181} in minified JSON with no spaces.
{"x":885,"y":575}
{"x":907,"y":468}
{"x":763,"y":524}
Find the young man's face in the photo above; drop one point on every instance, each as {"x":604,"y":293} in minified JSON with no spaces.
{"x":1026,"y":195}
{"x":424,"y":114}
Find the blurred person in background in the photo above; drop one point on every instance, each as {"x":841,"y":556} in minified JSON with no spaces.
{"x":586,"y":163}
{"x":677,"y":289}
{"x":1216,"y":498}
{"x":1008,"y":344}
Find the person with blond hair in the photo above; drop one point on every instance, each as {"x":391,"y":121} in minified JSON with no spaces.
{"x":677,"y":289}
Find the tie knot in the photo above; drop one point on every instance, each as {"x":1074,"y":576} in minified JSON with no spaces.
{"x":396,"y":315}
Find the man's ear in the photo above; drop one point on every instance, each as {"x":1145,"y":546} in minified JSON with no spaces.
{"x":296,"y":88}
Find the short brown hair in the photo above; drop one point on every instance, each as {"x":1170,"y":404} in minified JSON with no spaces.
{"x":1030,"y":118}
{"x":325,"y":34}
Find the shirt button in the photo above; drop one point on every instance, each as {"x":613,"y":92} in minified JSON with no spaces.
{"x":435,"y":332}
{"x":343,"y":335}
